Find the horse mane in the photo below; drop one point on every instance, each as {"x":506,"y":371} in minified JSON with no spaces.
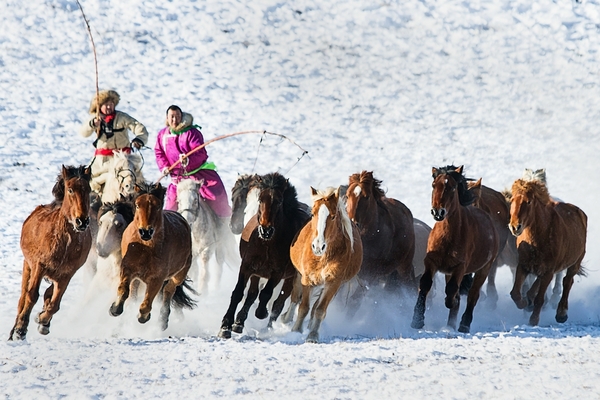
{"x":465,"y":196}
{"x":243,"y":184}
{"x":124,"y":207}
{"x":536,"y":189}
{"x":346,"y":223}
{"x":68,"y":172}
{"x":276,"y":181}
{"x":156,"y":190}
{"x":366,"y":178}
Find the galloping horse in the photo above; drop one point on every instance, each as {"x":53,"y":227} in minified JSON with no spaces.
{"x":265,"y":251}
{"x":124,"y":171}
{"x":157,"y":249}
{"x":463,"y":240}
{"x":387,"y":231}
{"x":207,"y":238}
{"x":55,"y":242}
{"x":551,"y":237}
{"x":328,"y":251}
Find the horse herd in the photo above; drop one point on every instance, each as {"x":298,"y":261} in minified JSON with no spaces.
{"x":353,"y":235}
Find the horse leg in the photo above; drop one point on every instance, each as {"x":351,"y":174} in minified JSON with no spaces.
{"x":168,"y":291}
{"x":538,"y":302}
{"x":320,"y":310}
{"x":286,"y":290}
{"x":240,"y":319}
{"x":264,"y":297}
{"x":515,"y":293}
{"x":418,"y":320}
{"x":567,"y":283}
{"x":532,"y":293}
{"x":491,"y":291}
{"x":356,"y":299}
{"x":153,"y":286}
{"x":303,"y":308}
{"x":452,"y":300}
{"x":296,"y":297}
{"x":556,"y":290}
{"x":236,"y":297}
{"x":52,"y":298}
{"x":473,"y":297}
{"x":116,"y":308}
{"x":30,"y":292}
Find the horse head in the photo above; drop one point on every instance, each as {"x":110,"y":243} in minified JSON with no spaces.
{"x":188,"y":198}
{"x":272,"y":188}
{"x":326,"y":208}
{"x":148,"y":209}
{"x":239,"y":200}
{"x":113,"y":218}
{"x":362,"y":192}
{"x":124,"y":171}
{"x":444,"y":195}
{"x":526,"y":196}
{"x":72,"y":192}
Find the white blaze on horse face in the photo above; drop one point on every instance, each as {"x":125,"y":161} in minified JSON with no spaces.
{"x":318,"y":244}
{"x":251,"y":205}
{"x":357,"y":190}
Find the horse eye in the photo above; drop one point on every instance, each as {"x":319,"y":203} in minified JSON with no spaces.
{"x":70,"y":191}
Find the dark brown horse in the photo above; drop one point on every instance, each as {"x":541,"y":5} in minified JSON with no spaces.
{"x":265,"y":251}
{"x":387,"y":231}
{"x":463,"y":241}
{"x":328,"y":252}
{"x":551,"y":237}
{"x":55,"y":242}
{"x":157,"y":249}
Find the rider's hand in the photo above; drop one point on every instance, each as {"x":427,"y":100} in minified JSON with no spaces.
{"x":165,"y":171}
{"x":184,"y":160}
{"x":137,"y":143}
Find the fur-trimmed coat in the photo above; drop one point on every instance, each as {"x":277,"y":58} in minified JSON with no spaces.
{"x":122,"y":124}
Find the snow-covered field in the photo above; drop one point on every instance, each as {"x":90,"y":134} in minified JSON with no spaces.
{"x":393,"y":87}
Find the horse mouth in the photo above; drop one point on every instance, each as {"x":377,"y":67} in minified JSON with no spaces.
{"x":81,"y":224}
{"x":146,"y":234}
{"x":266,"y":233}
{"x":516,"y":230}
{"x":439,"y":214}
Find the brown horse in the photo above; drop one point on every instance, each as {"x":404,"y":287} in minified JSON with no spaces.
{"x":387,"y":231}
{"x":551,"y":237}
{"x":462,"y":241}
{"x":328,"y":251}
{"x":157,"y":249}
{"x":55,"y":242}
{"x":265,"y":251}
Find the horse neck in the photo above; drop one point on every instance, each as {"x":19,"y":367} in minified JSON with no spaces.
{"x":539,"y":223}
{"x":367,"y":213}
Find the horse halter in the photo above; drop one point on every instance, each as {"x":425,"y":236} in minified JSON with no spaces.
{"x":121,"y":175}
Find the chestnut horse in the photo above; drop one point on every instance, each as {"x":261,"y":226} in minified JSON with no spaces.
{"x":55,"y":242}
{"x":157,"y":249}
{"x":265,"y":251}
{"x":551,"y":237}
{"x":328,"y":251}
{"x":463,"y":241}
{"x":387,"y":231}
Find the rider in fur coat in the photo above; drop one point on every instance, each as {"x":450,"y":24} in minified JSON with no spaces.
{"x":113,"y":133}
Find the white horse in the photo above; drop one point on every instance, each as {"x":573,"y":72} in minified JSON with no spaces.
{"x":124,"y":170}
{"x":209,"y":236}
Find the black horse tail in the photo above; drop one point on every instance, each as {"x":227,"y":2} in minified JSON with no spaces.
{"x":181,"y":299}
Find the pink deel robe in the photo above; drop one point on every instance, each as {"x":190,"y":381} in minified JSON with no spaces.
{"x":169,"y":147}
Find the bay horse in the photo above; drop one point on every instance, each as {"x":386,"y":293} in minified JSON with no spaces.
{"x":387,"y":232}
{"x":463,"y":241}
{"x":55,"y":241}
{"x":328,"y":252}
{"x":124,"y":171}
{"x":265,"y":252}
{"x":157,"y":250}
{"x":551,"y":237}
{"x":207,"y":238}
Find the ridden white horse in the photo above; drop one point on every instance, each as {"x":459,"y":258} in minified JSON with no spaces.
{"x":209,"y":236}
{"x":124,"y":170}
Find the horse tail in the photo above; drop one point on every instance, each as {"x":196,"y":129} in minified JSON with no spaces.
{"x":181,"y":299}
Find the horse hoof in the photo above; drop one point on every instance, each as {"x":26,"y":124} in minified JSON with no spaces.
{"x":237,"y":328}
{"x":261,"y":313}
{"x":116,"y":310}
{"x":17,"y":334}
{"x":225,"y":333}
{"x":417,"y":323}
{"x":464,"y":329}
{"x":312,"y":338}
{"x":44,"y":329}
{"x":562,"y":318}
{"x":142,"y":319}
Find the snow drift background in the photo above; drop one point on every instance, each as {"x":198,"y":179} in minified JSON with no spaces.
{"x":393,"y":87}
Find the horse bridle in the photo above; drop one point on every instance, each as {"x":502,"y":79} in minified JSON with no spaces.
{"x":121,"y":177}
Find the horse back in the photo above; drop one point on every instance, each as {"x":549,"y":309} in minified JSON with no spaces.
{"x":572,"y":222}
{"x":177,"y":240}
{"x":494,"y":203}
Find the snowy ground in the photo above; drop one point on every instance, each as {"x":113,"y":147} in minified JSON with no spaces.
{"x":393,"y":87}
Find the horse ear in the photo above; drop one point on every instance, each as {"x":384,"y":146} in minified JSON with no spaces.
{"x":64,"y":171}
{"x":337,"y":191}
{"x":475,"y":185}
{"x":434,"y":172}
{"x":313,"y":191}
{"x":460,"y":169}
{"x":137,"y":188}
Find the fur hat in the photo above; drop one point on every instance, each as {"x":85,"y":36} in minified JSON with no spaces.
{"x":103,"y":97}
{"x":186,"y":121}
